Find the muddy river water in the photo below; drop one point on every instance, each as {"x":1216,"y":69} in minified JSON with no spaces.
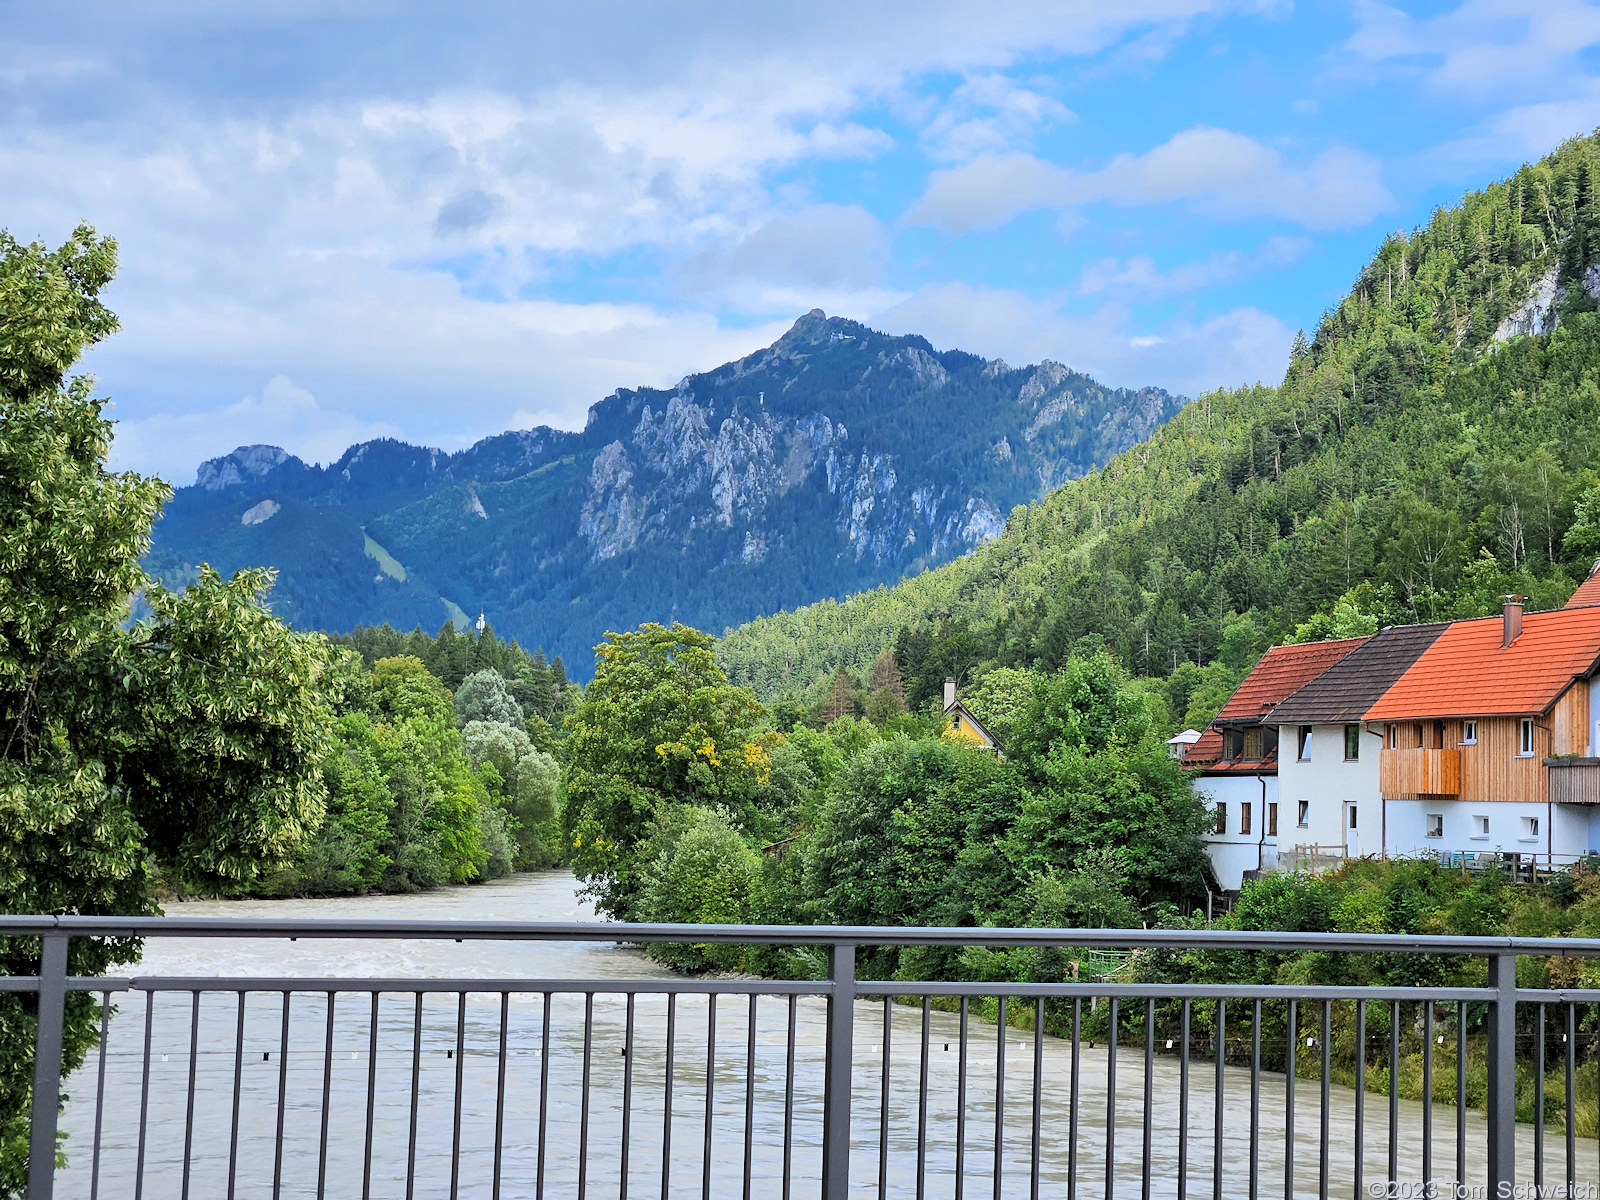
{"x":424,"y":1156}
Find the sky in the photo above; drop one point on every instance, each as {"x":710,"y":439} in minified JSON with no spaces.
{"x":347,"y":219}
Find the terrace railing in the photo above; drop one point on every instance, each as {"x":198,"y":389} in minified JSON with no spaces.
{"x":840,"y":1085}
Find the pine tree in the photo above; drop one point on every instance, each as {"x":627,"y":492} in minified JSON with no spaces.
{"x":886,"y":674}
{"x":840,"y":700}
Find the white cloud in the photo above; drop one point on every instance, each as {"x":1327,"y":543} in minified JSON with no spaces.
{"x":1526,"y":132}
{"x":1481,"y":46}
{"x":1216,"y":171}
{"x":419,"y":239}
{"x":989,"y":113}
{"x":284,"y":414}
{"x":1241,"y":346}
{"x":1141,"y":276}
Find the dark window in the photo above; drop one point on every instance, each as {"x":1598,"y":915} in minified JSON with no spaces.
{"x":1352,"y":743}
{"x":1352,"y":816}
{"x":1222,"y":820}
{"x":1272,"y":820}
{"x":1244,"y":817}
{"x":1525,"y":746}
{"x":1304,"y":811}
{"x":1305,"y":743}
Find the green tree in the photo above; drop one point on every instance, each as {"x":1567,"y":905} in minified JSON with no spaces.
{"x":483,"y":696}
{"x":659,"y":725}
{"x":184,"y":745}
{"x":529,"y":780}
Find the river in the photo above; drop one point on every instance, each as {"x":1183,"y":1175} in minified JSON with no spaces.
{"x":425,"y":1152}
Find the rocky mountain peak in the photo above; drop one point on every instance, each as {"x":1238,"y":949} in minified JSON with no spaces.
{"x":244,"y":465}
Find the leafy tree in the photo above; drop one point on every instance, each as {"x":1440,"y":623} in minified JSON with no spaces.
{"x":184,"y":745}
{"x":483,"y":696}
{"x":701,"y":872}
{"x":528,"y":781}
{"x":659,"y":725}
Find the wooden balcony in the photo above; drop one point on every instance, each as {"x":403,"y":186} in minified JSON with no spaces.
{"x":1419,"y":772}
{"x":1574,"y":780}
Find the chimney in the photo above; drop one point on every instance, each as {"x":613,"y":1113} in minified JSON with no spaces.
{"x":949,"y":692}
{"x":1513,"y":620}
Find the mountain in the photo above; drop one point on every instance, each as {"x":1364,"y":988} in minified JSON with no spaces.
{"x":1436,"y":444}
{"x":837,"y":459}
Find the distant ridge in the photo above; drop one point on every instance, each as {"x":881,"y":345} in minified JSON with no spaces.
{"x":836,"y":459}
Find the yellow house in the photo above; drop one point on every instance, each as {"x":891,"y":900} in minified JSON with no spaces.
{"x":963,"y":724}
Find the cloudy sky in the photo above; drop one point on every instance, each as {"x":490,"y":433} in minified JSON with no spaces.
{"x":349,"y":219}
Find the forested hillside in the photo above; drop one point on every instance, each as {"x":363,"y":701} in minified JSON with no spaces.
{"x":836,"y":459}
{"x":1433,"y":446}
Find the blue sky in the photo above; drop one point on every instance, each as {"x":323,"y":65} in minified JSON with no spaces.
{"x":346,"y":219}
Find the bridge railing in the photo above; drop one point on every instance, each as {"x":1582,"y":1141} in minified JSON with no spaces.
{"x":835,"y":1086}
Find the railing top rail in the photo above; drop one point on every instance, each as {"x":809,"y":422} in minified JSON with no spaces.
{"x":791,"y":935}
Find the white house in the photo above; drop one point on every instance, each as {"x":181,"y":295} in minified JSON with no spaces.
{"x":1235,"y":763}
{"x":1328,"y":755}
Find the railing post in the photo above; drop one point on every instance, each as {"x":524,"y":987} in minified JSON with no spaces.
{"x":47,"y":1066}
{"x":1503,"y":1075}
{"x":838,"y":1075}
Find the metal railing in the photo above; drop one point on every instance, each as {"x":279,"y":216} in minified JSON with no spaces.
{"x":561,"y":1087}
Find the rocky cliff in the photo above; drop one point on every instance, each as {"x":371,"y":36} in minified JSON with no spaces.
{"x":835,"y":459}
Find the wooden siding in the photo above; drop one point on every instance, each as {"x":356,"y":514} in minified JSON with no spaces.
{"x":1569,"y":720}
{"x":1493,"y":770}
{"x":1575,"y":781}
{"x":1490,"y":769}
{"x":1419,"y":772}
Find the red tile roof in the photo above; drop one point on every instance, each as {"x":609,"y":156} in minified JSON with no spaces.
{"x":1206,"y":756}
{"x":1282,"y":671}
{"x":1588,"y":591}
{"x":1467,"y":673}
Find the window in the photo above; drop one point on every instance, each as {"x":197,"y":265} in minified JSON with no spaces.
{"x":1253,"y":744}
{"x":955,"y":720}
{"x":1435,"y":824}
{"x":1272,"y":820}
{"x":1352,"y":816}
{"x":1480,"y":828}
{"x":1352,"y":743}
{"x":1244,"y":817}
{"x":1525,"y":739}
{"x":1222,"y":820}
{"x":1469,"y":733}
{"x":1392,"y":732}
{"x":1303,"y":812}
{"x":1530,"y":829}
{"x":1416,"y":732}
{"x":1305,"y":743}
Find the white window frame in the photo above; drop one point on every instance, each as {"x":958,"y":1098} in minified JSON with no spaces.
{"x":1350,"y":816}
{"x":1303,"y":814}
{"x":1525,"y":738}
{"x":1469,"y":733}
{"x":1435,"y":825}
{"x":1392,"y":735}
{"x":1303,"y":742}
{"x":1480,"y":821}
{"x":1530,"y":829}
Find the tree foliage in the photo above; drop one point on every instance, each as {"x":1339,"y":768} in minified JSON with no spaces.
{"x":659,"y":725}
{"x":184,"y":745}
